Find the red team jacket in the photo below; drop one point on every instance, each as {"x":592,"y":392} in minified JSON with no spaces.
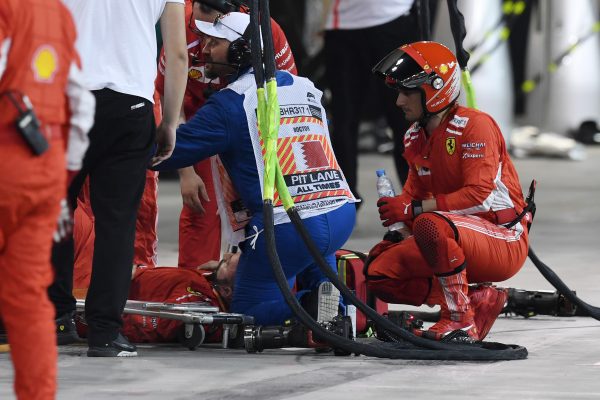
{"x":464,"y":165}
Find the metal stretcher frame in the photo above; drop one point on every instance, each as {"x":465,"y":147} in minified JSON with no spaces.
{"x":193,"y":315}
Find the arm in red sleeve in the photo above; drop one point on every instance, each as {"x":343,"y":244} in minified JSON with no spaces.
{"x":481,"y":170}
{"x":413,"y":186}
{"x":159,"y":83}
{"x":284,"y":58}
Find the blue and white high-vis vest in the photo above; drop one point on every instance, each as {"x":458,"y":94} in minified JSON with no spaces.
{"x":227,"y":125}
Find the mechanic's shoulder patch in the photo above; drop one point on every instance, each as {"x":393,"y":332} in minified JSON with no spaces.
{"x":459,"y":122}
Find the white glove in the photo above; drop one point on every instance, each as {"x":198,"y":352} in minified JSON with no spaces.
{"x":64,"y":224}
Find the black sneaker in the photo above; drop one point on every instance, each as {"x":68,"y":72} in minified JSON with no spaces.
{"x":120,"y":347}
{"x":66,"y":332}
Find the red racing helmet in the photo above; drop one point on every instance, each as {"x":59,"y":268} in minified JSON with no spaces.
{"x":429,"y":67}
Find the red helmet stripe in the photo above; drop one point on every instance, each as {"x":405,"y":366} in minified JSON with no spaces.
{"x":408,"y":49}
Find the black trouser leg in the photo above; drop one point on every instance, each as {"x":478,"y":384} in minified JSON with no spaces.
{"x":124,"y":138}
{"x":346,"y":79}
{"x":384,"y":39}
{"x":63,"y":253}
{"x":60,"y":292}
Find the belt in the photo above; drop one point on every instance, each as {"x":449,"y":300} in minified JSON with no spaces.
{"x":500,"y":217}
{"x":505,"y":216}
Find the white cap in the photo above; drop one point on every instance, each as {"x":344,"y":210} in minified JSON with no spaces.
{"x":229,"y":26}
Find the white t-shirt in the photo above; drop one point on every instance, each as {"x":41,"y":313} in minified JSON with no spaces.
{"x":358,"y":14}
{"x":117,"y":43}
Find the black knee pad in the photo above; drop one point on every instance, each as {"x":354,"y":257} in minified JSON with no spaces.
{"x":429,"y":229}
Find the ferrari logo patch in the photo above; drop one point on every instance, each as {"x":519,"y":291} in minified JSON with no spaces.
{"x":451,"y":145}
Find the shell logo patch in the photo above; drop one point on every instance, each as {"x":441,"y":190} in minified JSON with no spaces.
{"x":44,"y":64}
{"x":443,"y":69}
{"x":451,"y":145}
{"x":195,"y":73}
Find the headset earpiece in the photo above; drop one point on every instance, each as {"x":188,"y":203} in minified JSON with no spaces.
{"x":239,"y":52}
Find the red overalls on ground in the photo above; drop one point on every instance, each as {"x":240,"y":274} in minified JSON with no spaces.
{"x":162,"y":284}
{"x":465,"y":166}
{"x":168,"y":285}
{"x":37,"y":43}
{"x":200,"y":234}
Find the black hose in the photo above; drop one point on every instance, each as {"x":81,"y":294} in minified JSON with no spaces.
{"x":508,"y":352}
{"x":553,"y":278}
{"x":267,"y":36}
{"x":381,"y":350}
{"x":424,"y":19}
{"x":255,"y":46}
{"x":459,"y":31}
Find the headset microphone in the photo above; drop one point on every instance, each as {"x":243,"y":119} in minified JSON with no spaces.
{"x":195,"y":60}
{"x":209,"y":90}
{"x":218,"y":63}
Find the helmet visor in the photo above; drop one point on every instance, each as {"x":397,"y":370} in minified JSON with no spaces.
{"x":400,"y":71}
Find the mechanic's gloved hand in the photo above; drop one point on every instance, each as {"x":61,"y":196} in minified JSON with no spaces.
{"x":398,"y":209}
{"x":64,"y":225}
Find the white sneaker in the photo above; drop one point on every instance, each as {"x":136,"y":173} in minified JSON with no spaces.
{"x":329,"y":301}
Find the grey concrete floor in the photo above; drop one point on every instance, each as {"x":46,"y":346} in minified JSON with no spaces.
{"x":564,"y":353}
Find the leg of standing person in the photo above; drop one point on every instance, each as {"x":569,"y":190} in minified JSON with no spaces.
{"x":146,"y":225}
{"x":64,"y":255}
{"x":30,"y":191}
{"x":347,"y":71}
{"x":384,"y":39}
{"x":146,"y":235}
{"x":63,"y":261}
{"x":126,"y":131}
{"x":200,"y":234}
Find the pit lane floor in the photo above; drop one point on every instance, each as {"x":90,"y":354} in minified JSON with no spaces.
{"x":564,"y":353}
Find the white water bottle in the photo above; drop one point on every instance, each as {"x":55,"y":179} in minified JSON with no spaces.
{"x":385,"y":188}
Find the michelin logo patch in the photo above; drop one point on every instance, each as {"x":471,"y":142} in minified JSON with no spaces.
{"x":473,"y":145}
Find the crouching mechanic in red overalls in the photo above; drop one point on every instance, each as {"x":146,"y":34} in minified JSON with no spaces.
{"x":461,"y":194}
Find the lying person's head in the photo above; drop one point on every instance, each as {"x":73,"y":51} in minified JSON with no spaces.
{"x":223,"y":276}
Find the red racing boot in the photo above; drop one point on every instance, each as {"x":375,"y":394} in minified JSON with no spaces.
{"x":457,"y":313}
{"x":487,"y":303}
